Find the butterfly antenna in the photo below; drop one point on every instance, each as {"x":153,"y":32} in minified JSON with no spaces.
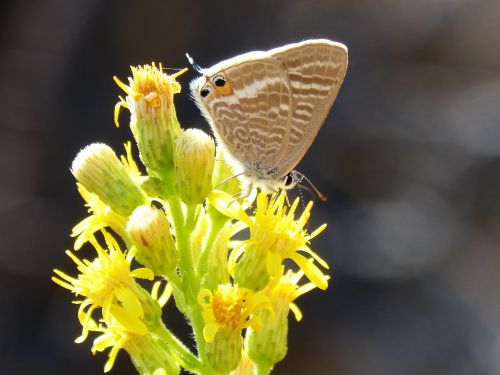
{"x":299,"y":187}
{"x":316,"y":190}
{"x":195,"y":66}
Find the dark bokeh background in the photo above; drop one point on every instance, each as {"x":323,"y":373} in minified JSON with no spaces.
{"x":409,"y":158}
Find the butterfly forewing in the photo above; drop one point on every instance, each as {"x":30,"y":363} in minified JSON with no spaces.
{"x":251,"y":116}
{"x":315,"y":70}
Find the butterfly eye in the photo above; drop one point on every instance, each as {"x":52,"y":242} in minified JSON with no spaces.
{"x":205,"y":91}
{"x":219,"y":80}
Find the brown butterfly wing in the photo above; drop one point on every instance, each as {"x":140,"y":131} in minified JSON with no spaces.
{"x":251,"y":116}
{"x":315,"y":70}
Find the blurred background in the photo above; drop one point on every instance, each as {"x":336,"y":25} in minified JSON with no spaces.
{"x":409,"y":158}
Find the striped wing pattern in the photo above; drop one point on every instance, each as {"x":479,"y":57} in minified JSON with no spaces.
{"x":252,"y":120}
{"x":315,"y":73}
{"x":273,"y":104}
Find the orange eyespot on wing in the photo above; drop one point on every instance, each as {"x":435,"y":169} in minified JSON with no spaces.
{"x":221,"y":85}
{"x":225,"y":90}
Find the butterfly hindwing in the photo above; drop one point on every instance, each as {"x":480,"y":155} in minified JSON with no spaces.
{"x":315,"y":71}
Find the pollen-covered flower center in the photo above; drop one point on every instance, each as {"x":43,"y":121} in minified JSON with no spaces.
{"x":229,"y":306}
{"x":149,"y":83}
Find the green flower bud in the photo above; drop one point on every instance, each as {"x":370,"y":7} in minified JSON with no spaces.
{"x":218,"y":272}
{"x":224,"y":352}
{"x":194,"y":164}
{"x":149,"y":231}
{"x":149,"y":356}
{"x":100,"y":171}
{"x":245,"y":367}
{"x":269,"y":345}
{"x":153,"y":187}
{"x":251,"y":270}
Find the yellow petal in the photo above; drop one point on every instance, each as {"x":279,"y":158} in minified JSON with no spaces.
{"x":296,"y":311}
{"x":318,"y":231}
{"x":131,"y":323}
{"x":129,"y":301}
{"x":203,"y":296}
{"x":209,"y":331}
{"x":143,"y":273}
{"x":312,"y":272}
{"x":316,"y":257}
{"x":258,"y":301}
{"x":226,"y":204}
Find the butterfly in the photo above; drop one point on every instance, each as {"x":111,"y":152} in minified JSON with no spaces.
{"x":266,"y":107}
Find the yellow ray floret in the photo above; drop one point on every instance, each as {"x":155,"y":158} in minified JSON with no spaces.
{"x":273,"y":227}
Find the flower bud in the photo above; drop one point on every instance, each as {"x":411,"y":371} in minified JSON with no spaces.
{"x":224,"y":176}
{"x":151,"y":357}
{"x":217,"y":267}
{"x":245,"y":367}
{"x":269,"y":345}
{"x":251,"y":269}
{"x":224,"y":352}
{"x":149,"y":231}
{"x":194,"y":164}
{"x":153,"y":120}
{"x":98,"y":169}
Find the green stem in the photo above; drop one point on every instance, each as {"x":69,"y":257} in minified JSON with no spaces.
{"x":187,"y":359}
{"x":186,"y":265}
{"x":215,"y":227}
{"x":175,"y":280}
{"x":191,"y":217}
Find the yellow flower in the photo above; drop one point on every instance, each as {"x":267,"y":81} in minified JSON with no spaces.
{"x":116,"y":336}
{"x":275,"y":235}
{"x":153,"y":120}
{"x":108,"y":283}
{"x":148,"y":355}
{"x":269,"y":345}
{"x":226,"y":313}
{"x":101,"y":216}
{"x":284,"y":293}
{"x":148,"y":87}
{"x":230,"y":307}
